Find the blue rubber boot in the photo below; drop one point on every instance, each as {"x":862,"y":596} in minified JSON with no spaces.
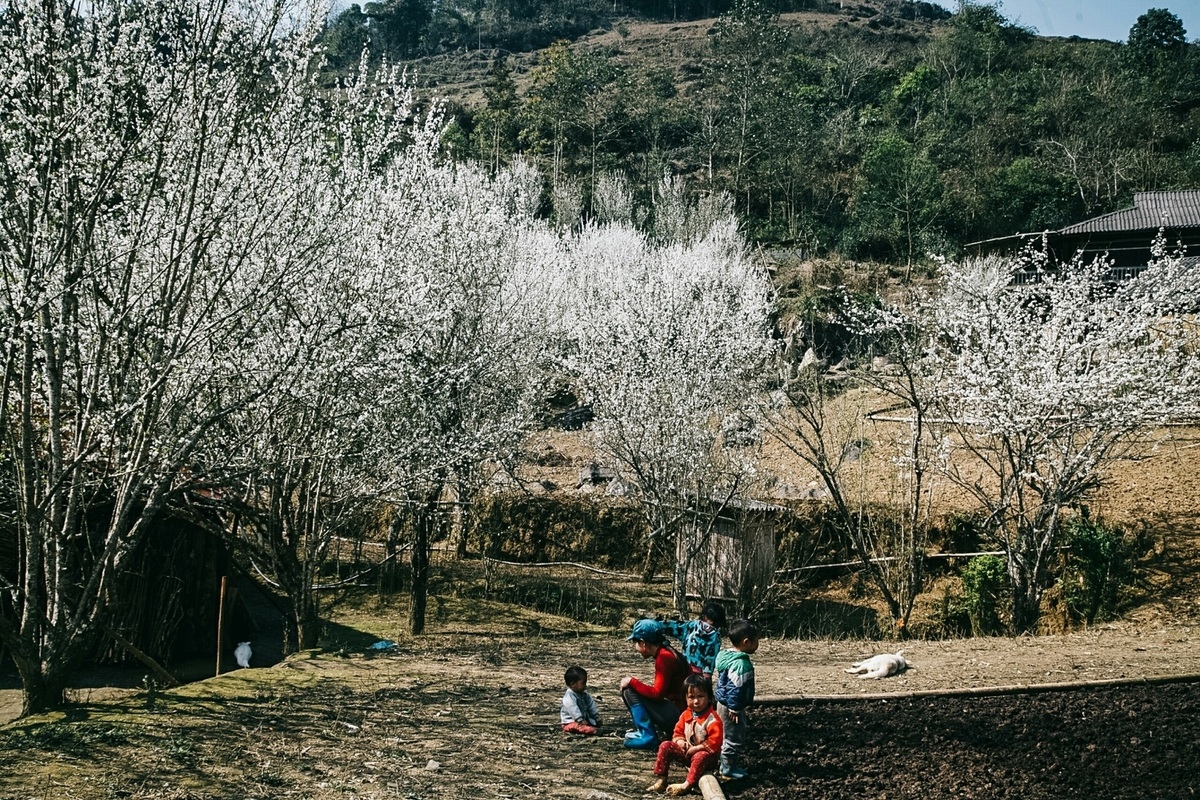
{"x":729,"y":769}
{"x":644,"y":738}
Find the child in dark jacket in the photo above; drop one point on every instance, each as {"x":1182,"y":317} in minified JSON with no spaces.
{"x":735,"y":695}
{"x":700,"y":638}
{"x":696,"y":741}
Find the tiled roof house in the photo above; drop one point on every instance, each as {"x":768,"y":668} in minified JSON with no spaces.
{"x":1123,"y":236}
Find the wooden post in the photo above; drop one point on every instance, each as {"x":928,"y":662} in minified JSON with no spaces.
{"x":710,"y":787}
{"x":221,"y":623}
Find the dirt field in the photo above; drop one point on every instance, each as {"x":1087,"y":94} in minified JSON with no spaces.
{"x":468,"y":716}
{"x":470,"y":710}
{"x":1132,"y":742}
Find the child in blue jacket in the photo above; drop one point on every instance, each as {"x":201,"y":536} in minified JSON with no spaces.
{"x":735,"y":695}
{"x":700,"y":639}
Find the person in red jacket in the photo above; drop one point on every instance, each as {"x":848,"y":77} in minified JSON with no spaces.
{"x":696,"y":742}
{"x":654,"y":707}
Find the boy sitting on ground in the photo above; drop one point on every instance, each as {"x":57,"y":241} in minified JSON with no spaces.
{"x":579,"y":713}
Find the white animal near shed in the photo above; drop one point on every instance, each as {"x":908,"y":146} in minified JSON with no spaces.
{"x":241,"y":654}
{"x":880,"y":666}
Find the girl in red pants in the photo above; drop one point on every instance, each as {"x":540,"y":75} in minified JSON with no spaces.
{"x":696,"y":742}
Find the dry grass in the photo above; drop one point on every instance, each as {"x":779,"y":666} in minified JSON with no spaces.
{"x":676,"y":47}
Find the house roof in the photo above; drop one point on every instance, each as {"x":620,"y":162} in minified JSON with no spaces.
{"x":1150,"y":211}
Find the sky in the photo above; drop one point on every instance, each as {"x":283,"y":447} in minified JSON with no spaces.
{"x":1092,"y":19}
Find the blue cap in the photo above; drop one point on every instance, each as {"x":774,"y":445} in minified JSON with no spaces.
{"x":647,"y":630}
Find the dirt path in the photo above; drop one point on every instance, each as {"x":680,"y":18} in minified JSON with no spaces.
{"x":1105,"y":652}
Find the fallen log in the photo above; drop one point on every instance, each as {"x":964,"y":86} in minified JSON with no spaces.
{"x":710,"y":788}
{"x":166,"y":678}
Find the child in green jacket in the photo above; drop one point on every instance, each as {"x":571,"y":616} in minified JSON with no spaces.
{"x":735,"y":695}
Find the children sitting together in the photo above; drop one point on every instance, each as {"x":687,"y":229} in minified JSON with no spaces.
{"x":695,"y":712}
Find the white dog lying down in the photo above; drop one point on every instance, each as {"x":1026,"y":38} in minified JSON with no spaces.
{"x":880,"y":666}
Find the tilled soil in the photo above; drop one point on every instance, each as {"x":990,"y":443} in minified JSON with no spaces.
{"x":1133,"y":741}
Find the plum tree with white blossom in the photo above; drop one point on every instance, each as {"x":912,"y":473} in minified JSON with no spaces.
{"x":1047,"y":375}
{"x":826,"y":419}
{"x":171,"y":176}
{"x":668,"y":334}
{"x":458,"y":360}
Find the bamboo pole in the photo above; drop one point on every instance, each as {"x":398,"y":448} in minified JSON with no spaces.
{"x":221,"y":623}
{"x":778,"y":701}
{"x":167,"y":678}
{"x":885,"y":560}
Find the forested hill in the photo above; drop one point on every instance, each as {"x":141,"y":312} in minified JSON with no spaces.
{"x":883,"y":129}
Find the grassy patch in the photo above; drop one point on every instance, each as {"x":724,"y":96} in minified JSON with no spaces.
{"x":65,"y":736}
{"x":481,"y":597}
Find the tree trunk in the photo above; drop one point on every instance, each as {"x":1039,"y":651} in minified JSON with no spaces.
{"x":680,"y":573}
{"x":42,"y":695}
{"x":1026,"y":595}
{"x":460,"y":521}
{"x":648,"y":562}
{"x":40,"y":691}
{"x":423,"y":534}
{"x":389,"y":573}
{"x":460,"y":539}
{"x":308,"y":626}
{"x":418,"y":594}
{"x":881,"y":582}
{"x":655,"y":524}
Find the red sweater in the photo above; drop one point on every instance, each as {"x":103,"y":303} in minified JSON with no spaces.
{"x":705,"y":729}
{"x":669,"y":672}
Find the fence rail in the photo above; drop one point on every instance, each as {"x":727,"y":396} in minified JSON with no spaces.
{"x":884,"y":560}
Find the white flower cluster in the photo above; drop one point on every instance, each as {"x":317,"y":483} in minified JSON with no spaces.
{"x":221,"y":275}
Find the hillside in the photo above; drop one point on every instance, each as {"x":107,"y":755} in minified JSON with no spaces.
{"x":676,"y":48}
{"x":1152,"y":496}
{"x":871,"y":130}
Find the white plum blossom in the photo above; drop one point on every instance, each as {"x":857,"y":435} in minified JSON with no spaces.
{"x":420,"y":354}
{"x":1048,"y":380}
{"x":668,"y":338}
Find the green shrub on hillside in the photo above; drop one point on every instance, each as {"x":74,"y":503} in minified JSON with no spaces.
{"x":1099,"y":562}
{"x":984,"y":581}
{"x":548,"y":528}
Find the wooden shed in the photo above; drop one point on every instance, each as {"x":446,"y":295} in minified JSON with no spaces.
{"x":736,"y":563}
{"x":167,"y":599}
